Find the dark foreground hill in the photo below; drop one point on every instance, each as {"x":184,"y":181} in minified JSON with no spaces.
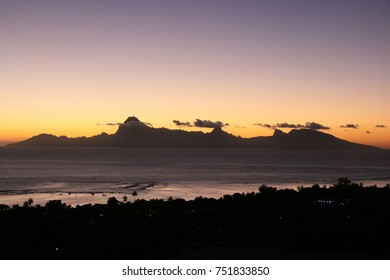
{"x":134,"y":133}
{"x":345,"y":221}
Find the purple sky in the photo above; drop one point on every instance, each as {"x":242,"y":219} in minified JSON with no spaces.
{"x":166,"y":60}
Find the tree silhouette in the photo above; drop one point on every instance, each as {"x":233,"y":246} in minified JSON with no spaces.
{"x":112,"y":201}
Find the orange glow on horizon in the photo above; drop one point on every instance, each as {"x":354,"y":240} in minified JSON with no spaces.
{"x":246,"y":63}
{"x":369,"y":135}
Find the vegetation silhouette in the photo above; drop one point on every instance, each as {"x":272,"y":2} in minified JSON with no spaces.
{"x":343,"y":221}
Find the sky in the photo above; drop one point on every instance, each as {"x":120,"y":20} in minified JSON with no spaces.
{"x":72,"y":67}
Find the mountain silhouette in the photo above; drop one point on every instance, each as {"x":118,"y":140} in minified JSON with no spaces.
{"x":134,"y":133}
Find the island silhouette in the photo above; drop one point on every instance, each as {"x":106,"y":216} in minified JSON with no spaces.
{"x":134,"y":133}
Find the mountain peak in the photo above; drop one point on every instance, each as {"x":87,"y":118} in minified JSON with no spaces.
{"x":132,"y":119}
{"x":133,"y":122}
{"x":278,"y":132}
{"x":217,"y":130}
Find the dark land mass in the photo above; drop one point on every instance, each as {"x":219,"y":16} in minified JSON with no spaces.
{"x":134,"y":133}
{"x":344,"y":221}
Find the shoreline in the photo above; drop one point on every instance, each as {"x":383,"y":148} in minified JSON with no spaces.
{"x":343,"y":221}
{"x":150,"y":191}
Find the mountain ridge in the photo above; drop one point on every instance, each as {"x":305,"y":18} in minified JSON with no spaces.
{"x":134,"y":133}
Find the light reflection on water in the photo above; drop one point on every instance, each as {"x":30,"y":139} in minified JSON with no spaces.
{"x":45,"y":173}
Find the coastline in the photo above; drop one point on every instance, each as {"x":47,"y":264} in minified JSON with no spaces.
{"x":150,"y":191}
{"x":159,"y":173}
{"x":343,"y":221}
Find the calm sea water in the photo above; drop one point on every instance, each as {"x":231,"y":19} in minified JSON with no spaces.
{"x":180,"y":172}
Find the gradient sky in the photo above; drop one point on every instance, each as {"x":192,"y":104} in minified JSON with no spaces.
{"x":66,"y":66}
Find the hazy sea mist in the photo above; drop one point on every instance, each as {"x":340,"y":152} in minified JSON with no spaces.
{"x":187,"y":173}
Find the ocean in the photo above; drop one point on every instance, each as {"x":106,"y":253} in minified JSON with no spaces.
{"x":91,"y":175}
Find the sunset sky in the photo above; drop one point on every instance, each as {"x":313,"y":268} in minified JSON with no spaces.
{"x":72,"y":67}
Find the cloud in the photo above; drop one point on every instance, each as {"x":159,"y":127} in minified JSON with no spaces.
{"x":316,"y":126}
{"x":109,"y":124}
{"x":289,"y":125}
{"x":200,"y":123}
{"x":308,"y":125}
{"x":265,"y":125}
{"x":350,"y":125}
{"x":380,"y":126}
{"x":209,"y":124}
{"x":185,"y":124}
